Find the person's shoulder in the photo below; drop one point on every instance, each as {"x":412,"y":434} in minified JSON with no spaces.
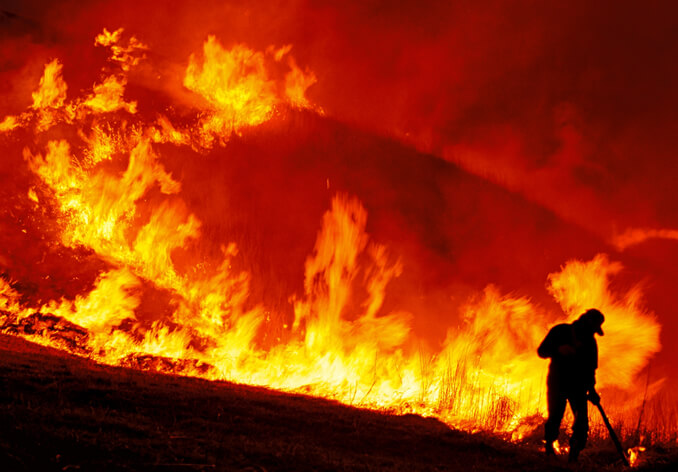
{"x":562,"y":328}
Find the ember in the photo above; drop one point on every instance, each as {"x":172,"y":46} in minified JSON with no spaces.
{"x":634,"y":454}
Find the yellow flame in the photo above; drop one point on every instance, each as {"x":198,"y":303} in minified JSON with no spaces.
{"x":9,"y":298}
{"x":634,"y":454}
{"x":52,"y":89}
{"x":341,"y":343}
{"x":101,"y":145}
{"x":631,"y":332}
{"x":237,"y":85}
{"x":127,"y":56}
{"x":560,"y":449}
{"x":108,"y":38}
{"x":105,"y":307}
{"x":9,"y":123}
{"x":107,"y":96}
{"x":32,"y":195}
{"x":50,"y":97}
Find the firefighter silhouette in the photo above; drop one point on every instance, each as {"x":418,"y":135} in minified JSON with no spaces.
{"x":573,"y":351}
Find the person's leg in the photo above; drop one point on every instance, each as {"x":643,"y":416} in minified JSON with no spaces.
{"x":557,"y":400}
{"x":580,"y":428}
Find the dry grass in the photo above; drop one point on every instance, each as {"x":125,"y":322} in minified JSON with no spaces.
{"x":465,"y":401}
{"x":60,"y":412}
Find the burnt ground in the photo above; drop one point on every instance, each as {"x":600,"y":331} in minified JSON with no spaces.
{"x":60,"y":412}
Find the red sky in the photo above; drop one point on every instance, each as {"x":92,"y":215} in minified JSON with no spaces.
{"x":571,"y":103}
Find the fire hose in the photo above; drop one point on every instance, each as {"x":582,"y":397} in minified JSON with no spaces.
{"x":613,"y":435}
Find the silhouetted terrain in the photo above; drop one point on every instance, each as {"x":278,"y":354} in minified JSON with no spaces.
{"x":59,"y":412}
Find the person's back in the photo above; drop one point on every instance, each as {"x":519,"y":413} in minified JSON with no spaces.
{"x":573,"y":351}
{"x":574,"y":356}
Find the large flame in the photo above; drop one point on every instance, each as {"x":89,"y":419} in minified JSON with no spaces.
{"x":630,"y":340}
{"x":237,"y":85}
{"x":116,"y":199}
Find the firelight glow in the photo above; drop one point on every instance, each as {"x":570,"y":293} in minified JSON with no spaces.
{"x":116,"y":198}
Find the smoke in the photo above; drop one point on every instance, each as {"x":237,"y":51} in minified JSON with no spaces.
{"x":572,"y":106}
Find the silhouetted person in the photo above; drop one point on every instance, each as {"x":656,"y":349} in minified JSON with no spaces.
{"x":573,"y":352}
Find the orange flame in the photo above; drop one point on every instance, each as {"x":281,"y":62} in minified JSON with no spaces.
{"x":237,"y":85}
{"x":340,"y":345}
{"x":634,"y":455}
{"x":560,"y":449}
{"x":631,"y":333}
{"x":52,"y":91}
{"x":107,"y":97}
{"x":8,"y":123}
{"x":127,"y":56}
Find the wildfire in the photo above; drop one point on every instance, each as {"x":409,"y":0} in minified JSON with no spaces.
{"x":237,"y":85}
{"x":634,"y":454}
{"x":126,"y":55}
{"x":560,"y":449}
{"x":52,"y":91}
{"x":116,"y":198}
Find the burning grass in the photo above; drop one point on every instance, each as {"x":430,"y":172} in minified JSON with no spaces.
{"x":105,"y":175}
{"x":64,"y":412}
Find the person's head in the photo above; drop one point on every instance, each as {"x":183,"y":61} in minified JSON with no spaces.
{"x":592,"y":319}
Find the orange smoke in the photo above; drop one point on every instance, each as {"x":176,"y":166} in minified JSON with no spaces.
{"x":633,"y":236}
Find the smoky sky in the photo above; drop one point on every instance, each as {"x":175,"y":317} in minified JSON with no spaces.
{"x":571,"y":103}
{"x":572,"y":106}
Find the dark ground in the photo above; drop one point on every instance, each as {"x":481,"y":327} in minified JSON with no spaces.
{"x":59,"y":412}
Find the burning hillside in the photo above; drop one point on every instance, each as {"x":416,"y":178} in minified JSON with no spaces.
{"x":225,"y":225}
{"x":120,"y":419}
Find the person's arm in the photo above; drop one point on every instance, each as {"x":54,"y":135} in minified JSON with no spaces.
{"x":592,"y":393}
{"x":556,"y":343}
{"x":593,"y":396}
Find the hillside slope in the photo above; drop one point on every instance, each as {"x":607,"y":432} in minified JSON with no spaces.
{"x":60,"y":412}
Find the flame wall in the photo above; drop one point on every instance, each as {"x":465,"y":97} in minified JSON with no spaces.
{"x":210,"y":185}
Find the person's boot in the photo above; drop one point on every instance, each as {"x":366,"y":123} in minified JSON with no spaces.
{"x":574,"y":454}
{"x":548,"y":448}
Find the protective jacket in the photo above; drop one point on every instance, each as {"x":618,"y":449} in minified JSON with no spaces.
{"x":572,"y":368}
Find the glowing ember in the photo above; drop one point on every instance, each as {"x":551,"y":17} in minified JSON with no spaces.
{"x":634,"y":454}
{"x":560,"y":450}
